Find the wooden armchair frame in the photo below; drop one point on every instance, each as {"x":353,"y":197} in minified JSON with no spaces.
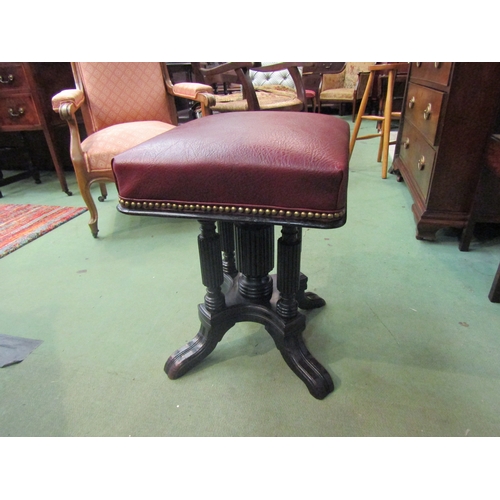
{"x":238,"y":72}
{"x":68,"y":102}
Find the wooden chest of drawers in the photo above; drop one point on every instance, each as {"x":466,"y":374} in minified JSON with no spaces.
{"x":25,"y":102}
{"x":448,"y":114}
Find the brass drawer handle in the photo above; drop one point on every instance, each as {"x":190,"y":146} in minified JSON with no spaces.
{"x":411,"y":102}
{"x":437,"y":65}
{"x":427,"y":111}
{"x":20,"y":112}
{"x":10,"y":79}
{"x":406,"y":144}
{"x":421,"y":163}
{"x":418,"y":64}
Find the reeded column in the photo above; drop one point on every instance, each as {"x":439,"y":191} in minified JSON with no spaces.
{"x":226,"y":231}
{"x":289,"y":249}
{"x":255,"y":259}
{"x":211,"y":266}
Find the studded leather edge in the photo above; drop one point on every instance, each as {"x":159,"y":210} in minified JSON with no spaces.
{"x":230,"y":210}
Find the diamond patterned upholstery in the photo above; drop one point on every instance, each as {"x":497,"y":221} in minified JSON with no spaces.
{"x":123,"y":105}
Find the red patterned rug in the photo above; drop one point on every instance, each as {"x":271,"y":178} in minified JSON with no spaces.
{"x":20,"y":224}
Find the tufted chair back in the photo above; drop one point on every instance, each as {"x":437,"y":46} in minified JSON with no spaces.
{"x":280,"y":78}
{"x":122,"y":93}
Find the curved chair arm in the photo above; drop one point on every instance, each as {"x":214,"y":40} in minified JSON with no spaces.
{"x":195,"y":92}
{"x":72,"y":97}
{"x":67,"y":103}
{"x":238,"y":73}
{"x":198,"y":92}
{"x":362,"y":82}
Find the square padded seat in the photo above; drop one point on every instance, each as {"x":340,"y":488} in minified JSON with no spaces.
{"x":240,"y":174}
{"x":284,"y":167}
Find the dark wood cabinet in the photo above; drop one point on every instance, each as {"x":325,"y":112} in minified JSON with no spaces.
{"x":447,"y":117}
{"x":26,"y":90}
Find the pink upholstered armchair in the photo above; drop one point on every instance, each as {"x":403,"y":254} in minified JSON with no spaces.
{"x":123,"y":105}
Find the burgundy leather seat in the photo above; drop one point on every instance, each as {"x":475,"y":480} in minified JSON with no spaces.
{"x":247,"y":171}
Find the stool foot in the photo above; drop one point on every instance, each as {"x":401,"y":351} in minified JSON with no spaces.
{"x":306,"y":367}
{"x":286,"y":333}
{"x":308,"y":300}
{"x":195,"y":351}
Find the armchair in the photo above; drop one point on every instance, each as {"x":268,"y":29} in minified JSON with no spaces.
{"x":122,"y":105}
{"x":312,"y":74}
{"x":251,"y":98}
{"x":345,"y":87}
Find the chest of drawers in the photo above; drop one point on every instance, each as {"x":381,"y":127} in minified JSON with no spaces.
{"x":25,"y":102}
{"x":447,"y":117}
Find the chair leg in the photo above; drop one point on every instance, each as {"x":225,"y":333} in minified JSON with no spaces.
{"x":494,"y":294}
{"x":386,"y":125}
{"x":361,"y":112}
{"x":104,"y":192}
{"x":89,"y":201}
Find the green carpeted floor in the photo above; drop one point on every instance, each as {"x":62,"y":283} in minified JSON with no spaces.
{"x":408,"y":334}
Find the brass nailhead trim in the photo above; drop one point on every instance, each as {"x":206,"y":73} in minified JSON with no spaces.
{"x":240,"y":210}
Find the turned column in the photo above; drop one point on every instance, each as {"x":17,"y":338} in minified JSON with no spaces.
{"x":288,"y":279}
{"x":211,"y":266}
{"x":226,"y":231}
{"x":255,"y":260}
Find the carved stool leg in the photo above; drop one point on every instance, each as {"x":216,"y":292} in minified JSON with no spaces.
{"x":212,"y":277}
{"x":252,"y":297}
{"x":291,"y":345}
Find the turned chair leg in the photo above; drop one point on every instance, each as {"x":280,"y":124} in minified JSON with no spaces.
{"x":494,"y":294}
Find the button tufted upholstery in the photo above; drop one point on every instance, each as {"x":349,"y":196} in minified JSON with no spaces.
{"x":280,"y":77}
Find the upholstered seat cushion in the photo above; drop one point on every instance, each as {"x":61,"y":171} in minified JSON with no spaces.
{"x":269,"y":97}
{"x":337,"y":95}
{"x":100,"y":147}
{"x":264,"y":164}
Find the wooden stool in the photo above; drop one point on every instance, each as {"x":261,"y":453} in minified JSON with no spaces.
{"x":240,"y":174}
{"x":385,"y":130}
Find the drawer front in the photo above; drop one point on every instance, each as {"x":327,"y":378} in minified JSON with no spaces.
{"x":12,"y":77}
{"x":432,"y":72}
{"x":423,"y":108}
{"x":18,"y":111}
{"x":417,"y":156}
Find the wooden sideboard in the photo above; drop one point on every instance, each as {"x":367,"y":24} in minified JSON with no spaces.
{"x":448,"y":114}
{"x":26,"y":90}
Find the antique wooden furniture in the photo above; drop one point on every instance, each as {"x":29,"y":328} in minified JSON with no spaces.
{"x":385,"y":130}
{"x":486,"y":203}
{"x":251,"y":98}
{"x":494,"y":294}
{"x":247,"y":172}
{"x":447,"y":118}
{"x":25,"y":92}
{"x":346,"y":86}
{"x":123,"y":104}
{"x":312,"y":76}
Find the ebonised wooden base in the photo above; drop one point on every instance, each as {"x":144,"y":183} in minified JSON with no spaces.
{"x":254,"y":295}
